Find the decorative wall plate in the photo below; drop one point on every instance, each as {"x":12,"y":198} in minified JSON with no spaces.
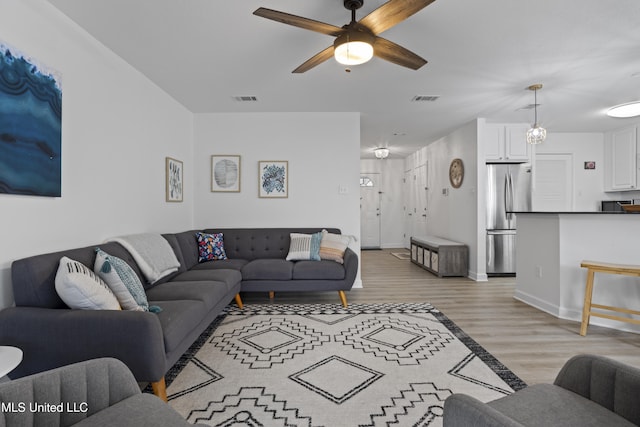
{"x":456,"y":173}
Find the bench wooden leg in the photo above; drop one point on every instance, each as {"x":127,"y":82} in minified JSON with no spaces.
{"x":272,"y":294}
{"x":586,"y":308}
{"x":239,"y":301}
{"x":160,"y":389}
{"x":343,"y":298}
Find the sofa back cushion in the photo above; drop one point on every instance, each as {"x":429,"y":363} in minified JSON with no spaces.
{"x":33,"y":278}
{"x":185,"y":245}
{"x":258,"y":243}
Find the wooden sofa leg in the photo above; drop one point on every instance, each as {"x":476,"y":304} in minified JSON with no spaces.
{"x":239,"y":301}
{"x":272,"y":295}
{"x":160,"y":389}
{"x":343,"y":298}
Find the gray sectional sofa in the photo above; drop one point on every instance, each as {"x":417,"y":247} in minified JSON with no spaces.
{"x":51,"y":334}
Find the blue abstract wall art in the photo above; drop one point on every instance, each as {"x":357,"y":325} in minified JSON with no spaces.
{"x":274,"y":179}
{"x":30,"y":127}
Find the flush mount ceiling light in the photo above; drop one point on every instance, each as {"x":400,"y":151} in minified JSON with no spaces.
{"x":630,"y":109}
{"x":537,"y":134}
{"x":381,"y":153}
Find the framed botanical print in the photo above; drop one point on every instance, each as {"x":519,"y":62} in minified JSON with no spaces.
{"x":174,"y":181}
{"x":225,"y":173}
{"x":273,"y":178}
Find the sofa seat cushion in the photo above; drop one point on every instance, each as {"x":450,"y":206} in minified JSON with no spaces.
{"x":208,"y":292}
{"x":550,"y":405}
{"x":223,"y":264}
{"x":268,"y":269}
{"x":178,"y":318}
{"x":318,"y":270}
{"x":230,"y":277}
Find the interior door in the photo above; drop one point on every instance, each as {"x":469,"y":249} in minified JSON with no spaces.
{"x":420,"y":189}
{"x":553,"y":183}
{"x":409,"y":207}
{"x":370,"y":210}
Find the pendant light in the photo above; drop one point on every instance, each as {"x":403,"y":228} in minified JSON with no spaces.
{"x":537,"y":133}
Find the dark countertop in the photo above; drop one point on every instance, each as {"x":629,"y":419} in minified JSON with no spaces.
{"x":573,"y":212}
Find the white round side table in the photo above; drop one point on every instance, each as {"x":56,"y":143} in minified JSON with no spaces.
{"x":10,"y":357}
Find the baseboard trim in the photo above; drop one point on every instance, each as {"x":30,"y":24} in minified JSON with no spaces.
{"x":538,"y":303}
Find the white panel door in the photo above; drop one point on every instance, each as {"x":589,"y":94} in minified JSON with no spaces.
{"x":553,"y":183}
{"x":370,"y":210}
{"x":420,"y":211}
{"x":409,"y":206}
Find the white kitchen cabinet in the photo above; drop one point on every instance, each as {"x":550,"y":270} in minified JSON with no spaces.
{"x":620,"y":150}
{"x":506,"y":143}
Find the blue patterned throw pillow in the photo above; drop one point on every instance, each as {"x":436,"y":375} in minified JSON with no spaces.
{"x":123,"y":281}
{"x":210,"y":247}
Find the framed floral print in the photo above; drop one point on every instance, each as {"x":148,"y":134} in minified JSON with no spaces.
{"x":273,"y":178}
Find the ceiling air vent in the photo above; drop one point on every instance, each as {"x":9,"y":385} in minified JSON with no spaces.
{"x":424,"y":98}
{"x":246,"y":98}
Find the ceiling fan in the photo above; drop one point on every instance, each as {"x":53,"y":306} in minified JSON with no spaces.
{"x":358,"y":41}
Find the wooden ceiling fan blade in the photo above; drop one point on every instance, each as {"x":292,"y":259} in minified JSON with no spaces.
{"x":299,"y":21}
{"x":397,"y":54}
{"x":391,"y":13}
{"x":317,"y":59}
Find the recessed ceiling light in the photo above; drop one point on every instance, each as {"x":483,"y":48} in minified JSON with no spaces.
{"x":630,"y":109}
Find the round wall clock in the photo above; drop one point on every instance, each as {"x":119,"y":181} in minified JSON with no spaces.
{"x":456,"y":173}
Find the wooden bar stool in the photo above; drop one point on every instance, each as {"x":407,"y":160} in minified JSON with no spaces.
{"x":609,"y":268}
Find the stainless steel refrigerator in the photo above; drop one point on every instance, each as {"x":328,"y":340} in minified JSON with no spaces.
{"x":508,"y":190}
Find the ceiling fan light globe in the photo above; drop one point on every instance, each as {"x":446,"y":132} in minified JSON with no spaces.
{"x":536,"y":135}
{"x":353,"y":53}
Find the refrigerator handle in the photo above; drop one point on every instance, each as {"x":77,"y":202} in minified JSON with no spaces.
{"x":506,"y":195}
{"x":490,"y":250}
{"x":509,"y":205}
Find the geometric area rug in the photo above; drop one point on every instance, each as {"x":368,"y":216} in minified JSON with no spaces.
{"x":325,"y":365}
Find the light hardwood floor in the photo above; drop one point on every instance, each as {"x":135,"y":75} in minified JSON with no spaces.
{"x":533,"y":344}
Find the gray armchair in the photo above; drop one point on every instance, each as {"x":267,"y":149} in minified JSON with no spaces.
{"x":588,"y":391}
{"x":98,"y":392}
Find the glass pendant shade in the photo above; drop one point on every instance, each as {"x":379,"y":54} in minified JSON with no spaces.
{"x":353,"y":48}
{"x":536,"y":134}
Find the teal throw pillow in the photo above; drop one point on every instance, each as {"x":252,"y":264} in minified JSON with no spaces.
{"x":122,"y":280}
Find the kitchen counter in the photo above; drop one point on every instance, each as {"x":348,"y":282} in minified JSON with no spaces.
{"x":574,"y":213}
{"x":549,"y":249}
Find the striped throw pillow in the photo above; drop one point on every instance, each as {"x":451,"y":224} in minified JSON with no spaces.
{"x":304,"y":247}
{"x":333,"y":246}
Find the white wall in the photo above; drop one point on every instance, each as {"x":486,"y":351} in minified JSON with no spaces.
{"x":321,"y":157}
{"x":391,"y":200}
{"x":588,"y":184}
{"x":117,"y":129}
{"x":454,"y":215}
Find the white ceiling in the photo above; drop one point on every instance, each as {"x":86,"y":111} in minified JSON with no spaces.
{"x":482,"y":55}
